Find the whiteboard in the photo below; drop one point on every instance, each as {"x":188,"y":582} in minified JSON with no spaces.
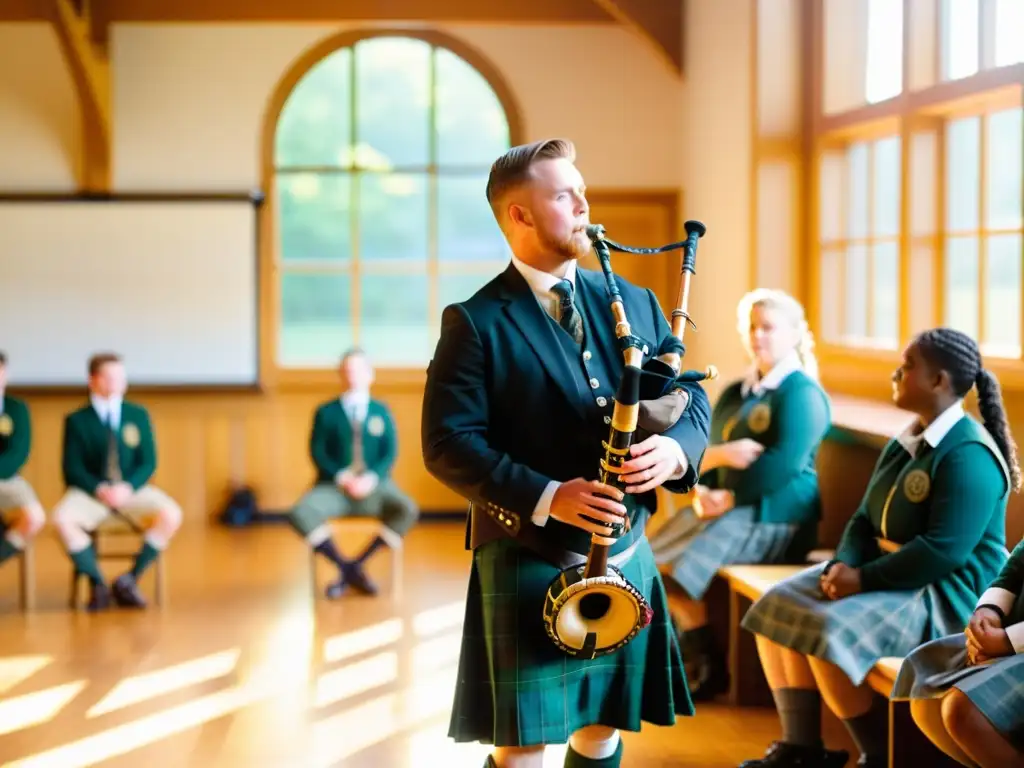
{"x":170,"y":284}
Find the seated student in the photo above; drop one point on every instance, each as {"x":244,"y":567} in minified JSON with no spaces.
{"x":353,"y":446}
{"x":928,"y":538}
{"x":967,"y":689}
{"x":109,"y":457}
{"x":758,"y":499}
{"x":21,"y":514}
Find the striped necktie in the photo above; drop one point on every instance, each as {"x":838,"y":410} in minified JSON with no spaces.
{"x":113,"y":454}
{"x":568,"y":316}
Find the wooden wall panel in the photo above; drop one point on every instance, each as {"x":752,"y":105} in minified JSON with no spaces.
{"x":209,"y":442}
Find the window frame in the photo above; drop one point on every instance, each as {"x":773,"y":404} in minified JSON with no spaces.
{"x":864,"y":371}
{"x":272,"y":372}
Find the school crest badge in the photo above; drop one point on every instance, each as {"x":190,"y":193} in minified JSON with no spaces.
{"x":6,"y":425}
{"x":375,"y":426}
{"x":130,"y":435}
{"x":916,"y":485}
{"x":730,"y":425}
{"x":760,"y":417}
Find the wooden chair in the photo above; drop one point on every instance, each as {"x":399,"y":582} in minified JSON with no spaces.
{"x":115,"y":528}
{"x":347,"y":526}
{"x":26,"y":569}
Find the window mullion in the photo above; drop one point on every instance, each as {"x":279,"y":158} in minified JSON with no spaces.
{"x":982,"y":239}
{"x":355,"y":292}
{"x":433,"y":286}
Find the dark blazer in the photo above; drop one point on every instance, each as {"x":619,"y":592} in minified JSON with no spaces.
{"x":504,"y":411}
{"x":331,"y":440}
{"x":85,"y":448}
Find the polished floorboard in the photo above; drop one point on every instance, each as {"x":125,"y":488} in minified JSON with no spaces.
{"x":244,"y":669}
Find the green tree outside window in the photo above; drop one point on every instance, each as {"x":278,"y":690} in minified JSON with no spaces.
{"x":382,"y":153}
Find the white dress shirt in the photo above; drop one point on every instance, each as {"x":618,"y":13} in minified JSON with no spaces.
{"x":108,"y":409}
{"x":934,"y":432}
{"x":355,"y":405}
{"x":754,"y":383}
{"x":1005,"y":600}
{"x":541,"y":284}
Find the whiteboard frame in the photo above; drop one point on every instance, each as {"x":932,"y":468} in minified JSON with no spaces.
{"x":256,"y":198}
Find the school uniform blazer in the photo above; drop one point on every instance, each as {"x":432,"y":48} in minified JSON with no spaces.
{"x":505,"y":411}
{"x":946,"y":508}
{"x":15,"y":436}
{"x":1007,"y":594}
{"x":790,"y":419}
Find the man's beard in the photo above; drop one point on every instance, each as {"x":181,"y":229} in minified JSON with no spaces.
{"x":576,"y":247}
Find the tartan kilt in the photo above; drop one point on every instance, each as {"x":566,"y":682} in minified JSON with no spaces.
{"x":695,"y":549}
{"x":855,"y":632}
{"x":516,"y":688}
{"x":995,"y":688}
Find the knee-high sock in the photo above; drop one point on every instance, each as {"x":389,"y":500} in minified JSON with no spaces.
{"x":85,"y":563}
{"x":574,"y":760}
{"x":372,"y":547}
{"x":144,"y":558}
{"x":800,"y":713}
{"x":322,"y":543}
{"x":870,"y":731}
{"x":11,"y":544}
{"x":609,"y":757}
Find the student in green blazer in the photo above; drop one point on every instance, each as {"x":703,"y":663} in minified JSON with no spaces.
{"x":109,"y":457}
{"x":353,"y":446}
{"x":21,"y":514}
{"x":925,"y":543}
{"x":966,"y":690}
{"x":758,"y":499}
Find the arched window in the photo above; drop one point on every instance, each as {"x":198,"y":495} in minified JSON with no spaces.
{"x":381,"y":156}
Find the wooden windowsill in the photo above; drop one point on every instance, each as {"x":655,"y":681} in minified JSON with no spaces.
{"x":866,"y":421}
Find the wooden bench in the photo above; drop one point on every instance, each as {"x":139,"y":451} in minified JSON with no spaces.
{"x":370,"y":526}
{"x":115,"y":529}
{"x":748,"y":686}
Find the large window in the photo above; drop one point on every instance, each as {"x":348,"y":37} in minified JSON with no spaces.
{"x":381,"y":159}
{"x":859,"y":232}
{"x":919,"y":212}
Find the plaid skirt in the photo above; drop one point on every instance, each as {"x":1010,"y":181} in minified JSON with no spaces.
{"x":697,"y":548}
{"x":855,"y":632}
{"x":996,"y":688}
{"x":516,"y":688}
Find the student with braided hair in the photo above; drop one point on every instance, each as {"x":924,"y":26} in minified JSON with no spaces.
{"x":926,"y":542}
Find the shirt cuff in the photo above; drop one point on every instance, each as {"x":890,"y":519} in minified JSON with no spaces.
{"x":1002,"y":598}
{"x":683,"y":464}
{"x":542,"y":510}
{"x":1016,"y":634}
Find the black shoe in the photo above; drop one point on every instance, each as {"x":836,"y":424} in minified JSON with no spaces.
{"x":354,"y":576}
{"x":126,"y":592}
{"x":99,"y":600}
{"x":706,"y":673}
{"x":783,"y":755}
{"x":336,"y":589}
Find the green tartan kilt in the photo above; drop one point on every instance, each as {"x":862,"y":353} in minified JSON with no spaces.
{"x":515,"y":688}
{"x":995,"y":688}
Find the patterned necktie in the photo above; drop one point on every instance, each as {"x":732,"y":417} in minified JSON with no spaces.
{"x":358,"y":462}
{"x":113,"y":455}
{"x":568,"y":316}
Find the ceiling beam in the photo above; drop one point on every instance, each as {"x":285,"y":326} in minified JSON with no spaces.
{"x":270,"y":11}
{"x":660,"y":22}
{"x":25,"y":10}
{"x":82,"y":35}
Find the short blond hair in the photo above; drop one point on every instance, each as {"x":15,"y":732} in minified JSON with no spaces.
{"x":512,"y":169}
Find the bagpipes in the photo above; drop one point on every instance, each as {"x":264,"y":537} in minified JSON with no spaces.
{"x":592,"y":610}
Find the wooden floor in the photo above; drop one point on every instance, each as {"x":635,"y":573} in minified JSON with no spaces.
{"x":243,"y":670}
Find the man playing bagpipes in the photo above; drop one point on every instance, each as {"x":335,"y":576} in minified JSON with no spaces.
{"x":519,"y":400}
